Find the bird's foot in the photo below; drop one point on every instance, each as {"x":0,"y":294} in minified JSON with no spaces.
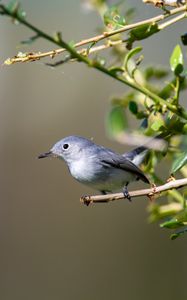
{"x":126,"y":193}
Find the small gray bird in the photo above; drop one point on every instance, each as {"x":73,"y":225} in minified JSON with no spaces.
{"x":97,"y":166}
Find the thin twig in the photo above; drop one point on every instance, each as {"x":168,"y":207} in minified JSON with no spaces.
{"x":150,"y":193}
{"x":172,"y":21}
{"x":32,"y":56}
{"x":25,"y":57}
{"x":95,"y":64}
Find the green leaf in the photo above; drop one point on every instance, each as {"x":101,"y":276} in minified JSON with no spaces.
{"x":112,"y":18}
{"x":15,"y":9}
{"x":176,"y":60}
{"x":178,"y":233}
{"x":173,"y":223}
{"x":116,"y":121}
{"x":179,"y":220}
{"x":179,"y":162}
{"x":133,"y":107}
{"x":130,"y":54}
{"x":142,"y":32}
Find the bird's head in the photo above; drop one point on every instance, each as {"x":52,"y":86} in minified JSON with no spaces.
{"x":70,"y":149}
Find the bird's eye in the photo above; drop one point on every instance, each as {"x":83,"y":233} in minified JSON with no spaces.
{"x":65,"y":146}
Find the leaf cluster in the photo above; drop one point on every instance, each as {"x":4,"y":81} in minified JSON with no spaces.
{"x":153,"y":98}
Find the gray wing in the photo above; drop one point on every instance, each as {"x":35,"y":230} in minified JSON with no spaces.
{"x":113,"y":159}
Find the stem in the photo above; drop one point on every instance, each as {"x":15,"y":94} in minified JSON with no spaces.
{"x":74,"y":54}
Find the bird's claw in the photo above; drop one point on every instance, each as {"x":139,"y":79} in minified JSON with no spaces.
{"x":126,"y":193}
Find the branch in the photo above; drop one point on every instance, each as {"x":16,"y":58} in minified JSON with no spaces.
{"x":95,"y":64}
{"x":33,"y":56}
{"x":150,"y":193}
{"x":25,"y":57}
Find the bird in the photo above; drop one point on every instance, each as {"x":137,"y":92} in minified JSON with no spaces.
{"x":98,"y":167}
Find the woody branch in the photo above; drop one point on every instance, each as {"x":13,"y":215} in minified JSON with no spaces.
{"x":155,"y":191}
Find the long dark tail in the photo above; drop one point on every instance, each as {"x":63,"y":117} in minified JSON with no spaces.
{"x":138,"y":154}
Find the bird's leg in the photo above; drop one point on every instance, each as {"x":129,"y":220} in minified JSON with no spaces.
{"x":126,"y":192}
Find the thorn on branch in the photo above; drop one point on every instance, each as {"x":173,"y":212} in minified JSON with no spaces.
{"x":151,"y":195}
{"x":171,"y":178}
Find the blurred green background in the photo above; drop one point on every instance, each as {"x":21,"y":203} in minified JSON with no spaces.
{"x":51,"y":246}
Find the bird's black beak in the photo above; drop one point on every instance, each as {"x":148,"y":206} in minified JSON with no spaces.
{"x":47,"y":154}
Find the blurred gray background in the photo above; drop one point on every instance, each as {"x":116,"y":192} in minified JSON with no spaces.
{"x":51,"y":246}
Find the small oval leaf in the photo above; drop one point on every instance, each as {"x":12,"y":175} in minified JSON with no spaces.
{"x":176,"y":60}
{"x":179,"y":162}
{"x":133,"y":107}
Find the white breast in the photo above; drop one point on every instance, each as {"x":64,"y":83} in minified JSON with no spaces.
{"x":82,"y":170}
{"x":99,"y":178}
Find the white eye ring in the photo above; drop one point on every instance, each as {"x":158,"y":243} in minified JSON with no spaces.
{"x":65,"y":146}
